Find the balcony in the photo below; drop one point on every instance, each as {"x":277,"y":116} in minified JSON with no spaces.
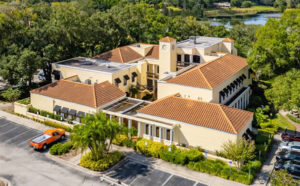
{"x":151,"y":75}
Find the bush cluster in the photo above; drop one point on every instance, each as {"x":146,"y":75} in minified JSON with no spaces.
{"x":263,"y":141}
{"x":293,"y":118}
{"x":44,"y":113}
{"x":194,"y":159}
{"x":59,"y":148}
{"x":25,"y":101}
{"x":105,"y":163}
{"x":123,"y":140}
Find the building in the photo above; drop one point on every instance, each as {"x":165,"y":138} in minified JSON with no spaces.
{"x":72,"y":99}
{"x":198,"y":82}
{"x":225,"y":80}
{"x":94,"y":71}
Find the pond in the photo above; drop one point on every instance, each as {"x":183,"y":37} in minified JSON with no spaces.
{"x":258,"y":19}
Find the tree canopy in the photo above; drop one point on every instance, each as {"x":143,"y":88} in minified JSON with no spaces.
{"x":285,"y":91}
{"x":277,"y":48}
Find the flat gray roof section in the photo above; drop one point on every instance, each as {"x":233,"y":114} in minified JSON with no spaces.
{"x":94,"y":65}
{"x":199,"y":42}
{"x":127,"y":106}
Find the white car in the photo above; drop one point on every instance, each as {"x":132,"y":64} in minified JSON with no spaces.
{"x":290,"y":146}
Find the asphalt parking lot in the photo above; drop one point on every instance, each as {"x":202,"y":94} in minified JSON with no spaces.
{"x":136,"y":174}
{"x":24,"y":166}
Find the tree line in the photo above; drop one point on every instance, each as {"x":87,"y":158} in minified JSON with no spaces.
{"x":34,"y":36}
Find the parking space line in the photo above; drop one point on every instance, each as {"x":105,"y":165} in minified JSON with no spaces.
{"x":18,"y":135}
{"x":195,"y":183}
{"x":27,"y":140}
{"x":167,"y":180}
{"x":8,"y":131}
{"x":6,"y":123}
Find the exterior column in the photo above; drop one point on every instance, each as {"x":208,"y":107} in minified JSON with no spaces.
{"x":153,"y":76}
{"x":139,"y":129}
{"x":171,"y":136}
{"x":149,"y":130}
{"x":129,"y":127}
{"x":191,"y":58}
{"x":110,"y":117}
{"x":120,"y":120}
{"x":160,"y":134}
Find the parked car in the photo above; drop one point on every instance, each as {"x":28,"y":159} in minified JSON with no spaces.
{"x":286,"y":164}
{"x":50,"y":136}
{"x":41,"y":76}
{"x":288,"y":155}
{"x":290,"y":135}
{"x":287,"y":146}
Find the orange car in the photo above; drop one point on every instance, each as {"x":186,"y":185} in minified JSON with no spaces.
{"x":50,"y":136}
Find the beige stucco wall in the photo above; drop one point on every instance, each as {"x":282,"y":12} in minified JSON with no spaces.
{"x":194,"y":135}
{"x":167,"y":57}
{"x":47,"y":104}
{"x":20,"y":108}
{"x":166,"y":89}
{"x":224,"y":84}
{"x":98,"y":77}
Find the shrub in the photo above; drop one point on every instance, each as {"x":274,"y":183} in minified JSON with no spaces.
{"x":25,"y":101}
{"x":194,"y":155}
{"x":57,"y":125}
{"x":246,"y":4}
{"x":59,"y":148}
{"x":33,"y":110}
{"x":293,"y":118}
{"x":119,"y":140}
{"x":103,"y":164}
{"x":151,"y":149}
{"x":254,"y":166}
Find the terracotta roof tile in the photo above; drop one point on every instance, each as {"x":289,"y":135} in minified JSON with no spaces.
{"x":123,"y":54}
{"x":167,"y":39}
{"x":80,"y":93}
{"x":154,"y":52}
{"x":209,"y":75}
{"x":209,"y":115}
{"x":228,"y":40}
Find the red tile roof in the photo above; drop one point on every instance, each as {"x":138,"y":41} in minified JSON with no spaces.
{"x":123,"y":54}
{"x":209,"y":115}
{"x":85,"y":94}
{"x":154,"y":52}
{"x":209,"y":75}
{"x":167,"y":39}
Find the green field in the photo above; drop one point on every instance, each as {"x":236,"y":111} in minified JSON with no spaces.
{"x":232,"y":12}
{"x":284,"y":123}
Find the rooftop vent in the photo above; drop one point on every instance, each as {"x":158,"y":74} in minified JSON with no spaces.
{"x":138,"y":45}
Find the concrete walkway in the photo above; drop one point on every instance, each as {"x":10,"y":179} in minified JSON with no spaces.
{"x":284,"y":113}
{"x":23,"y":121}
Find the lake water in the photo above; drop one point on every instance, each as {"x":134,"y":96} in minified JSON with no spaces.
{"x":259,"y":19}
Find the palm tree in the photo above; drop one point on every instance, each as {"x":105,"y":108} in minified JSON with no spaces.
{"x":95,"y":133}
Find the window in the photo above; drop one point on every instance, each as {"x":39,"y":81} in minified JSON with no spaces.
{"x":133,"y":76}
{"x":157,"y":69}
{"x":126,"y":78}
{"x":148,"y":67}
{"x":168,"y":134}
{"x":196,"y":59}
{"x":157,"y":131}
{"x":178,"y":57}
{"x":186,"y":58}
{"x":147,"y":129}
{"x":117,"y":81}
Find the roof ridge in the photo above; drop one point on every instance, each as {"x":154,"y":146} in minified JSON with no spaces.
{"x":65,"y":80}
{"x":209,"y":85}
{"x":226,"y":117}
{"x":120,"y":54}
{"x":94,"y":94}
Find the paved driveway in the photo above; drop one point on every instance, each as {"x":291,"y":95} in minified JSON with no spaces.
{"x":25,"y":167}
{"x":136,"y":174}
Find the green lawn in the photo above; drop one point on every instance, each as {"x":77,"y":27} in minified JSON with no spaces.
{"x":283,"y":123}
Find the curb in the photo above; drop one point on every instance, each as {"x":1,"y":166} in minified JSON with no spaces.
{"x":6,"y":182}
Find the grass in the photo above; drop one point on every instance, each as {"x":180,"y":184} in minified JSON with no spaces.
{"x":234,"y":11}
{"x":293,"y":118}
{"x":283,"y":123}
{"x":25,"y":101}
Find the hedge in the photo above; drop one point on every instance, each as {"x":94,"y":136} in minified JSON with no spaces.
{"x":105,"y":163}
{"x":194,"y":159}
{"x":44,"y":113}
{"x":59,"y":148}
{"x":25,"y":101}
{"x":123,"y":140}
{"x":293,"y":118}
